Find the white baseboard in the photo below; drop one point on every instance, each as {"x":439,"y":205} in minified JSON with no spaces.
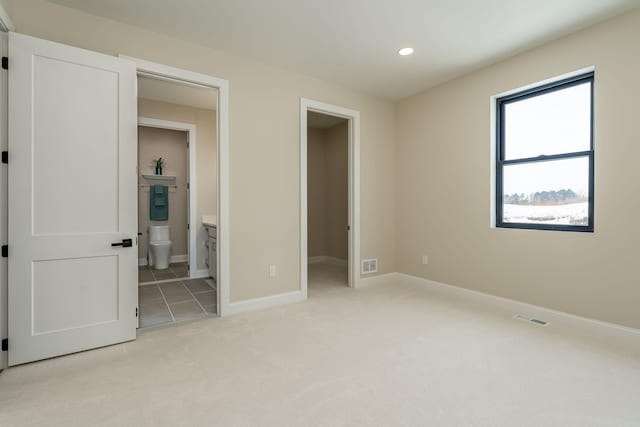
{"x":518,"y":307}
{"x":263,"y":302}
{"x":327,"y":259}
{"x":179,"y":258}
{"x":174,"y":258}
{"x":515,"y":307}
{"x":199,"y":274}
{"x":380,"y":279}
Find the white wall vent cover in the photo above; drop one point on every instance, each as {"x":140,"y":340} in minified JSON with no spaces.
{"x":531,"y":319}
{"x":369,"y":266}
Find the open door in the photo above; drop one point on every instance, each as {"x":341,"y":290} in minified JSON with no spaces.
{"x":72,"y":199}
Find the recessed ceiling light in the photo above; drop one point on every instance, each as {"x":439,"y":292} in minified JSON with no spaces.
{"x":405,"y":51}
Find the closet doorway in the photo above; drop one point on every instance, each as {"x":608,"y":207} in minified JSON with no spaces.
{"x":328,"y":207}
{"x":329,"y":148}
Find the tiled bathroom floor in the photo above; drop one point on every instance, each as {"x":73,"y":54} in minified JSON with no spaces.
{"x":176,"y":270}
{"x":176,"y":301}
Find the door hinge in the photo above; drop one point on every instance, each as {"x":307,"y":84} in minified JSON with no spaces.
{"x":5,"y":251}
{"x":188,"y":186}
{"x":136,"y":311}
{"x":188,"y":225}
{"x":5,"y":344}
{"x":5,"y":157}
{"x":5,"y":63}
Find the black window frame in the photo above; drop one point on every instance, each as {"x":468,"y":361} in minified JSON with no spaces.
{"x":501,"y":162}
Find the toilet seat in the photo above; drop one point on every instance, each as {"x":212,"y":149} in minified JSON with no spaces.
{"x":160,"y":243}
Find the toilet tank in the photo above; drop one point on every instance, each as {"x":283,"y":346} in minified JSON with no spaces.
{"x":158,"y":232}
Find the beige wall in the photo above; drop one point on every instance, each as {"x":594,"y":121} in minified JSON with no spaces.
{"x":171,"y":145}
{"x":327,"y":193}
{"x":444,"y":174}
{"x":264,"y":143}
{"x":206,"y":159}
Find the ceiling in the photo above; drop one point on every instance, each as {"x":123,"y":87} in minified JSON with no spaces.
{"x":176,"y":93}
{"x":322,"y":121}
{"x":355,"y":42}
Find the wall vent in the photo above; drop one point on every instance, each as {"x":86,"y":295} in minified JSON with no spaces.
{"x":531,"y":319}
{"x":369,"y":266}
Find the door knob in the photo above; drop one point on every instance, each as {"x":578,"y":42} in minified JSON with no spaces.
{"x":126,"y":243}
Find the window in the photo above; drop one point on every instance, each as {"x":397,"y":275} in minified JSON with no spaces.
{"x":544,"y":157}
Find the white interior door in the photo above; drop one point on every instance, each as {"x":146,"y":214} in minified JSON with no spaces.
{"x":72,"y":193}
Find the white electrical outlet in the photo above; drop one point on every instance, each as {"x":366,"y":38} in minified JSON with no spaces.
{"x":425,"y":259}
{"x":272,"y":270}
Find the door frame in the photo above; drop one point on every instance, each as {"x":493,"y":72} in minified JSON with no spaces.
{"x":6,"y":25}
{"x":191,"y":191}
{"x":4,"y":198}
{"x":353,"y":117}
{"x":160,"y":71}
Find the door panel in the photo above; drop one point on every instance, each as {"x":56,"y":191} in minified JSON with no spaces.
{"x":72,"y":193}
{"x":61,"y":90}
{"x":58,"y":281}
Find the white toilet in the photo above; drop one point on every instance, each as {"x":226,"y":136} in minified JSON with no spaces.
{"x":159,"y":246}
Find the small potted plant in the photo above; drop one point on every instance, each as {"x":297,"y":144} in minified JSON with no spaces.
{"x":159,"y":163}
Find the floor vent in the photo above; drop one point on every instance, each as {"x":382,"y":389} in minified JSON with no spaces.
{"x":369,"y":266}
{"x":531,"y":319}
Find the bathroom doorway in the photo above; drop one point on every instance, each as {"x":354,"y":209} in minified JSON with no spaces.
{"x":177,"y":202}
{"x":163,"y":231}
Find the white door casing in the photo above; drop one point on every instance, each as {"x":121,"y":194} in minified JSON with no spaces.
{"x":161,"y":71}
{"x":72,"y":193}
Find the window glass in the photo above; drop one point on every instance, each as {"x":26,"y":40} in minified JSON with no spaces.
{"x":551,"y":192}
{"x":552,"y":123}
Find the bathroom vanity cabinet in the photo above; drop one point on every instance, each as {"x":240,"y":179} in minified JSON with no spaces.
{"x":211,"y":245}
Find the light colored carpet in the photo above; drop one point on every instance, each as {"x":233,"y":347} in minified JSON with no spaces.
{"x":389,"y":355}
{"x":326,"y":277}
